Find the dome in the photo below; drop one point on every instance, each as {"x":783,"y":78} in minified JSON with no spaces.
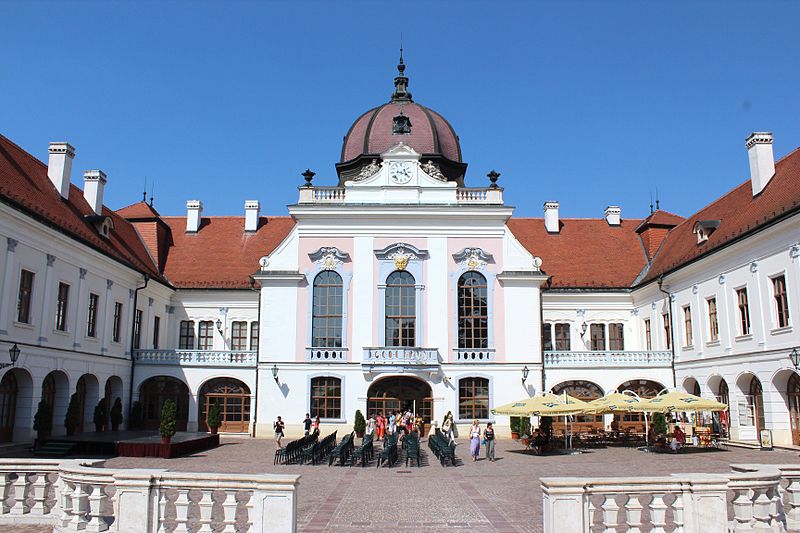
{"x":401,"y":120}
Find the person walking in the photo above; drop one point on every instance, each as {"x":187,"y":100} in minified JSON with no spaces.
{"x":380,"y":426}
{"x":370,"y":425}
{"x":307,"y":425}
{"x":278,"y":426}
{"x":488,"y":436}
{"x":447,"y":427}
{"x":475,"y":440}
{"x":419,"y":423}
{"x":316,"y":424}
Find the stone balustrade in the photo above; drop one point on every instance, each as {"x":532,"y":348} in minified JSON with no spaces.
{"x":240,"y":358}
{"x":473,"y":355}
{"x":326,"y":355}
{"x":337,"y":195}
{"x":607,"y":358}
{"x":676,"y":503}
{"x":80,"y":495}
{"x":472,"y":195}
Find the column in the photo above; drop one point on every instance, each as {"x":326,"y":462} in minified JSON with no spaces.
{"x":5,"y":288}
{"x":45,"y":317}
{"x":76,"y":340}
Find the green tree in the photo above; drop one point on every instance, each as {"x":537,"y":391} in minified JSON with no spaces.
{"x":72,"y":420}
{"x":659,"y":424}
{"x":214,"y":418}
{"x":169,"y":419}
{"x":43,"y":419}
{"x":360,"y":424}
{"x":100,"y":414}
{"x":116,"y":413}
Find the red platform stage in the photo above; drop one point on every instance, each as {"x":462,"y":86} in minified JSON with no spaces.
{"x":140,"y":443}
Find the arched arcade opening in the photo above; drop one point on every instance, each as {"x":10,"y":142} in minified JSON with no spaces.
{"x":154,"y":391}
{"x":233,"y":397}
{"x":397,"y":393}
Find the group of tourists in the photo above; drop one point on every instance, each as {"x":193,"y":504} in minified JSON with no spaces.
{"x":381,"y":425}
{"x":308,"y":424}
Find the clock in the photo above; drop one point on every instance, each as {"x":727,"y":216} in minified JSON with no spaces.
{"x":400,"y":172}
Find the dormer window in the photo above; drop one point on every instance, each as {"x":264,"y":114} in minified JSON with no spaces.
{"x":704,"y":228}
{"x":102,"y":224}
{"x":401,"y":125}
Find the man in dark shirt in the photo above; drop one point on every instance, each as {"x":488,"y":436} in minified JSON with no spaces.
{"x":307,"y":424}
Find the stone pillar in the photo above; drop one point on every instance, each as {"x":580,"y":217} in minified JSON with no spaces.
{"x":45,"y":321}
{"x":6,"y":291}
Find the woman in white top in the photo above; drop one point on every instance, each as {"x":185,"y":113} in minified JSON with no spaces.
{"x":475,"y":440}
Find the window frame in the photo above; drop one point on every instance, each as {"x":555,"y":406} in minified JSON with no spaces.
{"x":474,"y":399}
{"x":239,"y":338}
{"x":406,"y":333}
{"x":156,"y":330}
{"x":665,"y":317}
{"x":325,"y":398}
{"x":713,"y":318}
{"x":619,"y":341}
{"x":116,"y":330}
{"x":688,"y":334}
{"x":186,"y":335}
{"x":25,"y":296}
{"x":325,"y":316}
{"x":205,"y":335}
{"x":62,"y":307}
{"x":781,"y":302}
{"x":745,"y":325}
{"x":91,"y":315}
{"x":255,"y":333}
{"x":563,"y":343}
{"x":547,"y":337}
{"x":648,"y":334}
{"x":466,"y":312}
{"x":594,"y":340}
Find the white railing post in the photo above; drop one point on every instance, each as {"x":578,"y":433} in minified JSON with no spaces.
{"x":79,"y":507}
{"x":565,"y":505}
{"x":182,"y":511}
{"x":792,"y":495}
{"x":20,"y":505}
{"x":229,"y":511}
{"x":206,"y":505}
{"x":96,"y":522}
{"x":610,"y":513}
{"x":40,"y":487}
{"x":633,"y":512}
{"x":658,"y":513}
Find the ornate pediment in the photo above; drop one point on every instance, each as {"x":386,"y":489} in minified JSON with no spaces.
{"x":400,"y":151}
{"x":401,"y":253}
{"x":329,"y":257}
{"x":472,"y":258}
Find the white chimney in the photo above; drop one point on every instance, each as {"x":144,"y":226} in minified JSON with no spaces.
{"x":59,"y":166}
{"x":194,"y":210}
{"x":551,"y":217}
{"x":251,"y":214}
{"x":613,"y":214}
{"x":762,"y":162}
{"x":94,"y":181}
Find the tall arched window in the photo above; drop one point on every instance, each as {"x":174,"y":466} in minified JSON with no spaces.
{"x":473,"y":311}
{"x":326,"y":321}
{"x":401,"y":320}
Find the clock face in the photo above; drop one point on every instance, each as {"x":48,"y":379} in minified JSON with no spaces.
{"x":400,"y":172}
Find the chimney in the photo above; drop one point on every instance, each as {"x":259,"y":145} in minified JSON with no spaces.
{"x":762,"y":162}
{"x":551,"y":217}
{"x":613,"y":215}
{"x":94,"y":181}
{"x":251,"y":214}
{"x":194,"y":210}
{"x":59,"y":166}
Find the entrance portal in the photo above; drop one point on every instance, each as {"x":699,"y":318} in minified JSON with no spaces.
{"x":400,"y":393}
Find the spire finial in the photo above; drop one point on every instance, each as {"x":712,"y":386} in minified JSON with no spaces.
{"x":401,"y":93}
{"x":657,"y":200}
{"x":144,"y":192}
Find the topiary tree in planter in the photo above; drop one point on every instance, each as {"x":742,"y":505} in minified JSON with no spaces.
{"x":72,"y":420}
{"x":514,"y":423}
{"x":659,"y":424}
{"x":214,"y":417}
{"x":169,"y":419}
{"x":135,"y":418}
{"x":43,"y":422}
{"x":116,"y":414}
{"x":100,"y":416}
{"x":360,"y":424}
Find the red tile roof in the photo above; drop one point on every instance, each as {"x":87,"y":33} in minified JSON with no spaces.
{"x":25,"y":185}
{"x":138,"y":210}
{"x":739,"y":213}
{"x":221,"y":254}
{"x":586,"y":252}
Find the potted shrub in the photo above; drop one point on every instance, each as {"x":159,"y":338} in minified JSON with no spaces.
{"x":135,"y":418}
{"x":515,"y":427}
{"x":43,"y":422}
{"x":116,"y":414}
{"x":524,"y":431}
{"x":100,"y":416}
{"x":72,"y":420}
{"x":169,"y":416}
{"x":659,"y":424}
{"x":214,"y":417}
{"x":360,"y":424}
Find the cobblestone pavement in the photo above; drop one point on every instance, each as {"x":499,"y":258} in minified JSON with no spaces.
{"x":483,"y":497}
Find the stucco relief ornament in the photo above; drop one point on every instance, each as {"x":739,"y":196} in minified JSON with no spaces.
{"x":401,"y":257}
{"x":368,"y":171}
{"x":431,"y":169}
{"x":329,"y":261}
{"x":472,"y":258}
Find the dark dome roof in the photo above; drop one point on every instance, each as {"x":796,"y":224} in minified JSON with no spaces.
{"x":372,"y":132}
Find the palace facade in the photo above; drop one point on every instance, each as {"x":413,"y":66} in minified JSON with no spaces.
{"x":400,"y":285}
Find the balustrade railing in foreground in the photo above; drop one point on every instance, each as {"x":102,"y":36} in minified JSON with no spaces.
{"x":680,"y":503}
{"x":80,"y":495}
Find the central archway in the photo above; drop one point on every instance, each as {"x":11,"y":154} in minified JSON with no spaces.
{"x":400,"y":393}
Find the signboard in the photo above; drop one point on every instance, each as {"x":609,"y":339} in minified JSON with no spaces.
{"x":766,"y":439}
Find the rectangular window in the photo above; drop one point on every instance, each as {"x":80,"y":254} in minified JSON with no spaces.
{"x":24,"y":299}
{"x":648,"y":335}
{"x":137,"y":329}
{"x":687,"y":325}
{"x":667,"y":331}
{"x":62,"y":302}
{"x":326,"y":397}
{"x":205,"y":337}
{"x":117,"y":333}
{"x":562,"y":337}
{"x":781,"y":301}
{"x":713,"y":321}
{"x":238,"y":335}
{"x":473,"y":398}
{"x":254,"y":336}
{"x":744,"y":311}
{"x":186,"y":335}
{"x":91,"y":315}
{"x":598,"y":336}
{"x":616,"y":337}
{"x":547,"y":336}
{"x":156,"y":328}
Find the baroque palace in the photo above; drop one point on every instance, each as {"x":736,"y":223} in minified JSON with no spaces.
{"x":402,"y":285}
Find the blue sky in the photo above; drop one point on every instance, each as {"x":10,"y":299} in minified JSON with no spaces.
{"x":588,"y":103}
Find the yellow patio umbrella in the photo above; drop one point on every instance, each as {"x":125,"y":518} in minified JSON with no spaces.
{"x":679,"y":401}
{"x":546,"y":404}
{"x":615,"y":402}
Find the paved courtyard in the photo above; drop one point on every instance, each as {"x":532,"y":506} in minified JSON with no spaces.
{"x":503,"y":496}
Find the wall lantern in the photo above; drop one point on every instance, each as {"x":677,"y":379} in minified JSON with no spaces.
{"x":275,"y":372}
{"x":219,"y":325}
{"x":525,"y":374}
{"x":795,"y":355}
{"x":14,"y":353}
{"x":584,"y":326}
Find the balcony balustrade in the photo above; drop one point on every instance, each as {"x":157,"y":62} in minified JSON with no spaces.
{"x":239,"y":358}
{"x":473,"y":355}
{"x":464,"y":195}
{"x":568,"y":359}
{"x":326,"y":355}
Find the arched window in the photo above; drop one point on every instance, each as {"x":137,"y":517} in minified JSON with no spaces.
{"x":326,"y":318}
{"x":326,"y":397}
{"x":473,"y":398}
{"x":473,"y":311}
{"x":756,"y":399}
{"x":401,"y":320}
{"x":233,"y":398}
